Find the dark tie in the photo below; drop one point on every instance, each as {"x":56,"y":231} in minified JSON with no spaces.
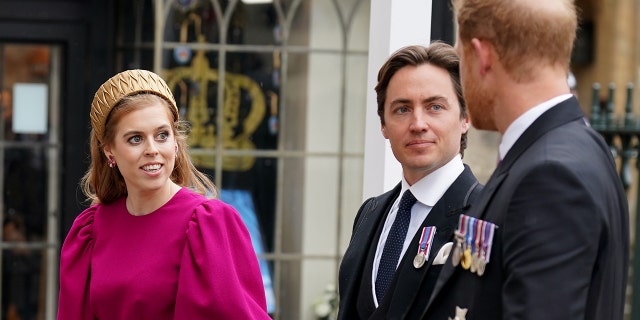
{"x":393,"y":245}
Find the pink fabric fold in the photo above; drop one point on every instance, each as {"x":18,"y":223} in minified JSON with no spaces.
{"x":75,"y":260}
{"x":220,"y":281}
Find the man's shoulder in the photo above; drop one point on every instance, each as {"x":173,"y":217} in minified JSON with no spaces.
{"x":468,"y":179}
{"x":389,"y":194}
{"x":465,"y":188}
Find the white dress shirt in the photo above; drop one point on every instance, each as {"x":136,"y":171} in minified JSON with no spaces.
{"x":517,"y":128}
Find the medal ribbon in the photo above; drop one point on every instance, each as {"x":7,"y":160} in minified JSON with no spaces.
{"x":479,"y":235}
{"x":421,"y":243}
{"x":489,"y":243}
{"x":483,"y":237}
{"x":461,"y":222}
{"x":465,"y":231}
{"x":425,"y":242}
{"x":471,"y":233}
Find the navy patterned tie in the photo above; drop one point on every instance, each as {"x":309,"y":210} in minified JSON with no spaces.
{"x":393,"y":245}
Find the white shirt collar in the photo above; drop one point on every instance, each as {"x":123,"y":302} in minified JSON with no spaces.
{"x":517,"y":127}
{"x":430,"y":189}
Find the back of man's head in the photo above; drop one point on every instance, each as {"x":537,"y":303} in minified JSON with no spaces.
{"x":525,"y":34}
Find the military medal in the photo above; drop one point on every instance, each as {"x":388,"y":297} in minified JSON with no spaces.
{"x":424,"y":247}
{"x":487,"y":243}
{"x":478,"y":235}
{"x":482,"y":263}
{"x":474,"y":247}
{"x":459,"y":235}
{"x":457,"y":251}
{"x":465,"y":262}
{"x":474,"y":261}
{"x":480,"y":254}
{"x":474,"y":240}
{"x":418,"y":261}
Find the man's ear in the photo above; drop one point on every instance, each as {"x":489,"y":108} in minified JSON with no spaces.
{"x":466,"y":124}
{"x":384,"y":131}
{"x":484,"y":54}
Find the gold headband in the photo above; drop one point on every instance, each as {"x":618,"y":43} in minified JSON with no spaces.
{"x":124,"y":84}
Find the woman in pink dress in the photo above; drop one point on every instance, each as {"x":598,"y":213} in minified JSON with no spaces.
{"x":152,"y":245}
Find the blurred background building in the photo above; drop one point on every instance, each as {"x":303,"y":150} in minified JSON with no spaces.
{"x":280,"y":97}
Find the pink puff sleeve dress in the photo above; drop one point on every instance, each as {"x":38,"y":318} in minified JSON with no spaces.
{"x":190,"y":259}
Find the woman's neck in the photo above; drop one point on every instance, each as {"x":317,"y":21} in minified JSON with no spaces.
{"x":143,"y":203}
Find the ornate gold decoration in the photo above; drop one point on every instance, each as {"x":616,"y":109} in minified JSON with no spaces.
{"x":236,"y":132}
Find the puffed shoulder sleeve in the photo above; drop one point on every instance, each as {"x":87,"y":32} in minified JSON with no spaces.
{"x":219,"y":273}
{"x":75,"y":268}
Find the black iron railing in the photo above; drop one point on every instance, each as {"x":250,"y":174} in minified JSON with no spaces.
{"x":622,"y":134}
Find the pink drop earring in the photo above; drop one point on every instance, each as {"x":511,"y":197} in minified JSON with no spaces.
{"x":111,"y":162}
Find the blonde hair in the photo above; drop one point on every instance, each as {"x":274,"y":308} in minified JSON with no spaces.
{"x":102,"y":184}
{"x":523,"y":33}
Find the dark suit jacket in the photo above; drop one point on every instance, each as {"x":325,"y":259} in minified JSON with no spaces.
{"x":562,"y":243}
{"x":410,"y":289}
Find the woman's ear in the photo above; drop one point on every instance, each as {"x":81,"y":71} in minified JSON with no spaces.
{"x":107,"y":152}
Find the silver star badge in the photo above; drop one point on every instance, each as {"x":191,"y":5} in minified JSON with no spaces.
{"x":461,"y":314}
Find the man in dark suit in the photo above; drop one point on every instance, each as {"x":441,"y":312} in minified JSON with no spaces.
{"x":560,"y":242}
{"x":387,"y":273}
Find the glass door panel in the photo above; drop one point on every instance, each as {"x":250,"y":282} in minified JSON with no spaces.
{"x":30,"y":183}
